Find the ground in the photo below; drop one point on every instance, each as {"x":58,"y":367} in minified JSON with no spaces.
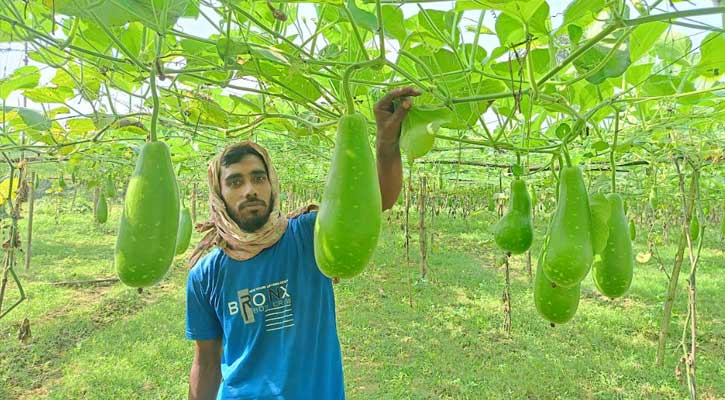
{"x":401,"y":338}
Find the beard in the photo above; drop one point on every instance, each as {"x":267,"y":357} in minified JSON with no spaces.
{"x":255,"y":221}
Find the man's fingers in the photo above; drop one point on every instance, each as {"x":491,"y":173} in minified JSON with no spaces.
{"x":401,"y":111}
{"x":386,"y":102}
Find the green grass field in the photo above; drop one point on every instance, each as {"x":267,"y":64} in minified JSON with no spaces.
{"x":109,"y":342}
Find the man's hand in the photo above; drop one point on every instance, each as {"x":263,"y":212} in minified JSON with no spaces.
{"x":388,"y":120}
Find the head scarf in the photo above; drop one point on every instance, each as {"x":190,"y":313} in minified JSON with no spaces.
{"x":224,"y":232}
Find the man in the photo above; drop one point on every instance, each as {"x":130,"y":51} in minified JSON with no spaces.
{"x":260,"y":312}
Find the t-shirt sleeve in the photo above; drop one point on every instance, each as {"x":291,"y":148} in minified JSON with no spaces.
{"x":307,"y":223}
{"x":201,"y":320}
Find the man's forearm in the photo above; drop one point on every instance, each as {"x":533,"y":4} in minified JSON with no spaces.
{"x":204,"y":382}
{"x":390,"y":172}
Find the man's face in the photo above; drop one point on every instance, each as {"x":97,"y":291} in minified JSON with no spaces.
{"x":247,"y":192}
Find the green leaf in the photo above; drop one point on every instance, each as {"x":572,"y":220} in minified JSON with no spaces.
{"x":49,"y":95}
{"x":81,"y":126}
{"x":159,"y":15}
{"x":238,"y":53}
{"x":600,"y":145}
{"x":132,"y":37}
{"x":575,"y":33}
{"x":33,"y":119}
{"x":643,"y":38}
{"x":582,"y":12}
{"x":712,"y":56}
{"x":522,"y":9}
{"x":659,"y":85}
{"x":593,"y":57}
{"x":418,"y":130}
{"x":466,"y":115}
{"x":674,"y":47}
{"x":393,"y":23}
{"x":563,"y":130}
{"x":637,"y":73}
{"x":510,"y":30}
{"x":362,"y":18}
{"x":540,"y":22}
{"x":26,"y":77}
{"x":442,"y":25}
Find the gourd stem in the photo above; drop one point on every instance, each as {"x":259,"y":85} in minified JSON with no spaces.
{"x":611,"y":153}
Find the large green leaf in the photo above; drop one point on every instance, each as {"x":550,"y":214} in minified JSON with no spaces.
{"x":31,"y":118}
{"x":643,"y":38}
{"x":238,"y":53}
{"x":438,"y":25}
{"x":582,"y":12}
{"x":393,"y":23}
{"x":362,"y":18}
{"x":159,"y":15}
{"x":49,"y":94}
{"x":510,"y":30}
{"x":523,"y":9}
{"x":674,"y":47}
{"x":465,"y":115}
{"x":712,"y":56}
{"x":26,"y":77}
{"x":591,"y":59}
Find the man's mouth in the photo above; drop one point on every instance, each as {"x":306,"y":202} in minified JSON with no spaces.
{"x":252,"y":204}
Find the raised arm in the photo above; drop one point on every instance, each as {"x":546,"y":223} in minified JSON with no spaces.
{"x":388,"y":120}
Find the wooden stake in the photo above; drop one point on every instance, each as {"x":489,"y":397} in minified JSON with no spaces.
{"x":31,"y":207}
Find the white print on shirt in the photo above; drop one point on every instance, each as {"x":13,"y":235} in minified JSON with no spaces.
{"x":273,"y":300}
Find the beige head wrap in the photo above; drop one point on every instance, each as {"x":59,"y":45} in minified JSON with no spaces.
{"x":225,"y":233}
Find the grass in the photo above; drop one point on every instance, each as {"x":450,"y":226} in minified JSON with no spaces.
{"x":101,"y":342}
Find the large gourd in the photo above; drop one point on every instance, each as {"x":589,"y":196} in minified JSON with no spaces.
{"x":348,"y":223}
{"x":183,"y":235}
{"x":694,"y":227}
{"x":101,"y":209}
{"x":557,"y":304}
{"x":514,"y":232}
{"x":601,"y":210}
{"x":613,"y":273}
{"x":569,"y":254}
{"x":146,"y":239}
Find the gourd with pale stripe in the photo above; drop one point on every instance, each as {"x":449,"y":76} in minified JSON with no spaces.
{"x":146,"y":240}
{"x":348,"y":223}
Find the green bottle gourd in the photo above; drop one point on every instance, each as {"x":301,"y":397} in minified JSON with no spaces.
{"x":183,"y":235}
{"x":110,"y":187}
{"x":694,"y":227}
{"x":570,"y":253}
{"x":613,"y":274}
{"x":146,"y":240}
{"x":101,"y":209}
{"x":514,"y":232}
{"x":632,"y":230}
{"x":348,"y":223}
{"x":417,"y":134}
{"x":653,"y":198}
{"x":557,"y":304}
{"x":600,"y":210}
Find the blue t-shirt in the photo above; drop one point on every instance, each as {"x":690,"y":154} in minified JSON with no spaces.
{"x":275,"y":314}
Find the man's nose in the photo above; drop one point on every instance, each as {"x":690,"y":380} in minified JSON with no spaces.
{"x":249,"y":191}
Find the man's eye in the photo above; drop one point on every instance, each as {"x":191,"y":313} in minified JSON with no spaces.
{"x":259,"y":179}
{"x":236,"y":183}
